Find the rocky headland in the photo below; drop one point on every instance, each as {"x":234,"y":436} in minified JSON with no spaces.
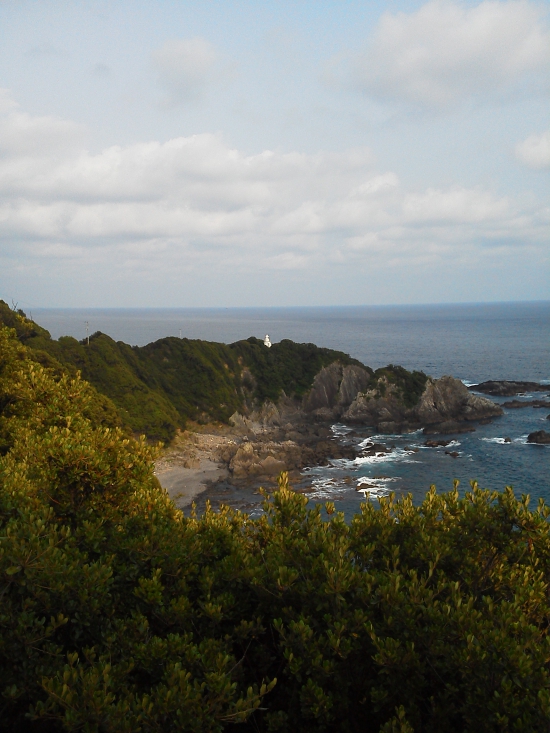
{"x":254,"y":411}
{"x":388,"y":402}
{"x":292,"y":433}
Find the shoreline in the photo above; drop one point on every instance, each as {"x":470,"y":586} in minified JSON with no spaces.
{"x":184,"y":485}
{"x":191,"y":463}
{"x":224,"y":464}
{"x":234,"y":461}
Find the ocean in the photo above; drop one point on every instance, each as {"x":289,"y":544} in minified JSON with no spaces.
{"x":474,"y":342}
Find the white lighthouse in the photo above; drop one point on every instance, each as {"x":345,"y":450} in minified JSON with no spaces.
{"x":267,"y":342}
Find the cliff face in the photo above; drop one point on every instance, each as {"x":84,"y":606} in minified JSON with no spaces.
{"x":334,"y":389}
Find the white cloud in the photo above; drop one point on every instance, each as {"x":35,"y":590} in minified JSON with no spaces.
{"x":185,"y":67}
{"x":535,"y":150}
{"x":22,"y":135}
{"x":196,"y":204}
{"x":447,"y":52}
{"x":458,"y":205}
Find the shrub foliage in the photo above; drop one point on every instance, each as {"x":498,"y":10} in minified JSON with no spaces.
{"x":119,"y":613}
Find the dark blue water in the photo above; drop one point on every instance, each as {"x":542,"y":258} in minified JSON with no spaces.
{"x":473,"y":342}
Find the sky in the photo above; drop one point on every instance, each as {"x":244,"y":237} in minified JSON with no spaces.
{"x":274,"y":153}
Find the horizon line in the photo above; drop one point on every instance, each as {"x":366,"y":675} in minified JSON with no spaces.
{"x":283,"y":307}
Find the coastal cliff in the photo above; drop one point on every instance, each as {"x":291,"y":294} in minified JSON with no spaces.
{"x":157,"y":389}
{"x":390,"y":400}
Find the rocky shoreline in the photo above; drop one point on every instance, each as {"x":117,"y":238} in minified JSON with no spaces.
{"x":215,"y":454}
{"x":234,"y":461}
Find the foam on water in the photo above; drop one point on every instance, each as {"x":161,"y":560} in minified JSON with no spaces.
{"x":521,"y":440}
{"x":451,"y":444}
{"x":395,"y":456}
{"x":325,"y":488}
{"x":373,"y":488}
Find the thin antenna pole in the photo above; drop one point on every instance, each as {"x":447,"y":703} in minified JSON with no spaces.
{"x":180,"y":332}
{"x":88,"y":333}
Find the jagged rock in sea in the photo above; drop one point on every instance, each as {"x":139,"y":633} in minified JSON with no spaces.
{"x":539,"y":437}
{"x":265,"y":458}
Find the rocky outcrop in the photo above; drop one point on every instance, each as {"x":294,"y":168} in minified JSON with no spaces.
{"x":539,"y":437}
{"x":508,"y":389}
{"x":354,"y":394}
{"x":263,"y":459}
{"x":449,"y":399}
{"x":268,"y":458}
{"x":445,"y":402}
{"x":334,"y":389}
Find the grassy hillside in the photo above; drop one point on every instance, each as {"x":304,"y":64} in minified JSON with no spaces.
{"x":158,"y":387}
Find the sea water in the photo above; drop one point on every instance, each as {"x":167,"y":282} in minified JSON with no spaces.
{"x":474,"y":342}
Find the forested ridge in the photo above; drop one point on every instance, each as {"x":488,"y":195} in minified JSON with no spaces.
{"x":119,"y":613}
{"x":155,"y":389}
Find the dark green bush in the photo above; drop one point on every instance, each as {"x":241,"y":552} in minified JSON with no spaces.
{"x":286,"y":367}
{"x":410,"y":384}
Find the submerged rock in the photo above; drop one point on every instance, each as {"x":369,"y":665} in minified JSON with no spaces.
{"x":519,"y":404}
{"x":448,"y":427}
{"x":503,"y":388}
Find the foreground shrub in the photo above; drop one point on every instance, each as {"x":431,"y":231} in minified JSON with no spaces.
{"x":118,"y":613}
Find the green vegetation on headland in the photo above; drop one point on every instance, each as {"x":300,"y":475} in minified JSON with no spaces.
{"x":158,"y":387}
{"x":118,"y":614}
